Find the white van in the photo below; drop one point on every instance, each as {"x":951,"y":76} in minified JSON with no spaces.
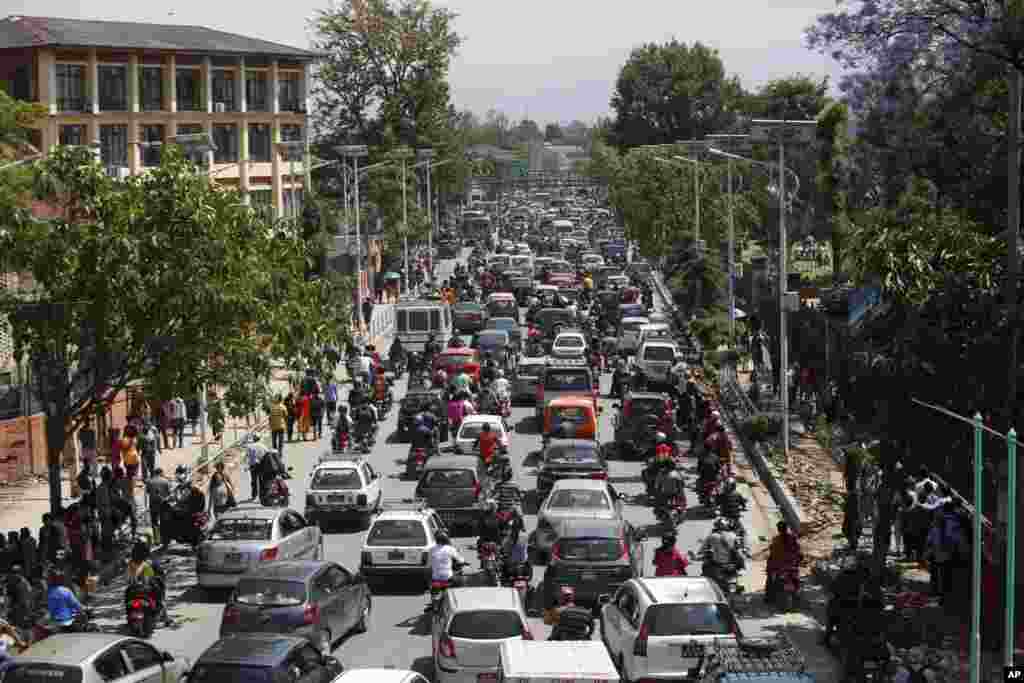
{"x":416,"y":319}
{"x":544,"y":661}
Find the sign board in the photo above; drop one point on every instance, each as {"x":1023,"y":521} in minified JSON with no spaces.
{"x":802,"y":133}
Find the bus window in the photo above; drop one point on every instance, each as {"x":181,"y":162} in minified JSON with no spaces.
{"x":435,"y":320}
{"x":402,"y":320}
{"x":419,"y":321}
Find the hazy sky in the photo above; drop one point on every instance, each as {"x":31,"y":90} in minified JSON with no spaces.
{"x":551,"y":60}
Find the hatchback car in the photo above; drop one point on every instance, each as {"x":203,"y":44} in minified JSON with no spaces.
{"x":525,"y":378}
{"x":264,"y":658}
{"x":398,"y":543}
{"x":468,"y":317}
{"x":569,"y":345}
{"x":594,"y":557}
{"x":572,"y":499}
{"x":657,"y":627}
{"x":468,"y":631}
{"x":95,"y":658}
{"x":321,"y":601}
{"x":570,"y":459}
{"x":473,"y":425}
{"x":248,"y":536}
{"x":342,"y":489}
{"x":456,"y":486}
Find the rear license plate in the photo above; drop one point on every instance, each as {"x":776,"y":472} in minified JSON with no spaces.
{"x":336,"y":498}
{"x":396,"y":555}
{"x":588,"y":576}
{"x":487,"y":677}
{"x":233,"y":558}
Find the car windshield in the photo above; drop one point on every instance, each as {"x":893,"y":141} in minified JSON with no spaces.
{"x":449,"y":479}
{"x":569,"y":342}
{"x":268,"y":593}
{"x":689,"y":619}
{"x":241,"y":530}
{"x":570,"y":456}
{"x":337,"y":479}
{"x":659,"y":353}
{"x":567,"y":380}
{"x":229,"y":673}
{"x":43,"y":673}
{"x":397,"y":532}
{"x":590,"y":549}
{"x":487,"y":624}
{"x":569,"y":499}
{"x":471,"y":430}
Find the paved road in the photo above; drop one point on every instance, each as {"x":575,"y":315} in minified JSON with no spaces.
{"x":398,"y":635}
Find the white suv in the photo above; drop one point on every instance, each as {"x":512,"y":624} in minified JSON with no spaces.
{"x":468,"y":631}
{"x":341,"y":489}
{"x":655,"y":360}
{"x":399,"y":542}
{"x":656,"y":627}
{"x":569,"y":345}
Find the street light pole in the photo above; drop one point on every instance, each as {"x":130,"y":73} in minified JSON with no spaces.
{"x":729,"y":139}
{"x":355,"y":152}
{"x":403,"y":153}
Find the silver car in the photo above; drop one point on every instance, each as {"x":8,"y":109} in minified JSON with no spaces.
{"x":246,"y":537}
{"x":95,"y":658}
{"x":572,"y":499}
{"x":525,"y":378}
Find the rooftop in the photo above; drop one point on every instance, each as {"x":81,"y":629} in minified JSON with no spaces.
{"x":681,"y":589}
{"x":23,"y":32}
{"x":68,"y":648}
{"x":485,"y":597}
{"x":287,"y":570}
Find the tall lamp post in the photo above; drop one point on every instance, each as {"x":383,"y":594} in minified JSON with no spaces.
{"x":780,"y":132}
{"x":426,"y":154}
{"x":677,"y":161}
{"x":403,"y":154}
{"x":356,"y":152}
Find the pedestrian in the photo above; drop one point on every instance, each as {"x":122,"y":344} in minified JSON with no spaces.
{"x":220,"y":494}
{"x":149,"y":448}
{"x":331,"y":399}
{"x":368,"y":311}
{"x":792,"y":377}
{"x":278,"y":423}
{"x":115,"y":447}
{"x":29,"y":552}
{"x":302,"y":413}
{"x":87,"y":442}
{"x":158,"y":488}
{"x":167,"y":423}
{"x":124,"y":498}
{"x":254,"y":459}
{"x":130,"y":453}
{"x":192,"y":413}
{"x":316,"y":415}
{"x":947,"y":546}
{"x":289,"y":404}
{"x":180,"y":418}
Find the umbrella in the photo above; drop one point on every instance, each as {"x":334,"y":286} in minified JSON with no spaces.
{"x":392,"y":276}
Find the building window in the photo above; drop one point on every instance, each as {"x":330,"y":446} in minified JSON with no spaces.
{"x":292,"y":133}
{"x":151,"y":88}
{"x":70,"y":87}
{"x":113,"y":82}
{"x":114,"y":145}
{"x":21,"y":84}
{"x":256,"y":89}
{"x":192,"y":129}
{"x":259,"y":142}
{"x":154,"y":133}
{"x":225,"y":137}
{"x":73,"y":135}
{"x":190,"y":90}
{"x":224,"y":89}
{"x":288,"y":92}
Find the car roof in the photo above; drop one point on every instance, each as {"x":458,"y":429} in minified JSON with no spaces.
{"x":69,"y":648}
{"x":502,"y":317}
{"x":646,"y":395}
{"x":478,"y":417}
{"x":403,"y":514}
{"x":484,"y":598}
{"x":468,"y":304}
{"x":248,"y":511}
{"x":569,"y":333}
{"x":580,"y":485}
{"x":578,"y":444}
{"x":251,"y":649}
{"x":680,"y":589}
{"x":338,"y":464}
{"x":583,"y":527}
{"x":452,"y":462}
{"x":655,"y":341}
{"x":376,"y":675}
{"x":298,"y":570}
{"x":571,"y":401}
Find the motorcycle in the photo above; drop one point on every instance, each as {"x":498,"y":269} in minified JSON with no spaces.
{"x":276,"y":493}
{"x":673,"y":513}
{"x":439,"y":588}
{"x":488,"y":555}
{"x":83,"y":623}
{"x":707,"y":493}
{"x":414,"y":463}
{"x":141,"y":607}
{"x":398,"y":365}
{"x":178,"y":523}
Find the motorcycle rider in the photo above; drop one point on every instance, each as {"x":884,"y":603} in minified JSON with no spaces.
{"x":619,"y":378}
{"x":458,"y":408}
{"x":397,"y":353}
{"x":358,"y":394}
{"x":431,"y":348}
{"x":365,"y":419}
{"x":19,"y":595}
{"x":444,"y":562}
{"x":571,"y":622}
{"x":440,"y":379}
{"x":708,"y":469}
{"x":487,"y":442}
{"x":721,"y":553}
{"x":489,"y":527}
{"x":462,"y":381}
{"x":501,"y":386}
{"x":668,"y":561}
{"x":730,"y":503}
{"x":61,"y":602}
{"x":195,"y":498}
{"x":342,"y":427}
{"x":517,"y":558}
{"x":142,"y":570}
{"x":669,"y":483}
{"x":783,"y":554}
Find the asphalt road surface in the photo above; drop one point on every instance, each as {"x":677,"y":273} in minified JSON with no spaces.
{"x":398,"y":636}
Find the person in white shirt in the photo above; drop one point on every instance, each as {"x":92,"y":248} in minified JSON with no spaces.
{"x":501,"y":385}
{"x":180,"y":418}
{"x":254,"y":459}
{"x":444,"y":560}
{"x":365,"y":365}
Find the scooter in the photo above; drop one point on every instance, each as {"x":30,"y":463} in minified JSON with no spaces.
{"x":415,"y":462}
{"x":488,"y":555}
{"x":276,"y":493}
{"x":141,"y":607}
{"x":439,"y":588}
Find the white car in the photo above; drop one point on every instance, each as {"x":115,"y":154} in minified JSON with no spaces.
{"x":375,"y":675}
{"x":399,"y":541}
{"x":656,"y":628}
{"x":629,"y":334}
{"x":569,"y":345}
{"x":341,"y":489}
{"x":471,"y":427}
{"x":655,"y":359}
{"x":469,"y":629}
{"x":573,"y":499}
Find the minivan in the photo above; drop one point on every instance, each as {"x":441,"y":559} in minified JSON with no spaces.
{"x":456,"y":487}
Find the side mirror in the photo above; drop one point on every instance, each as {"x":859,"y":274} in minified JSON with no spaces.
{"x":167,"y":656}
{"x":290,"y":468}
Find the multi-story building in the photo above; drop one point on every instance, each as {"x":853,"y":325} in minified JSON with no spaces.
{"x":114,"y":84}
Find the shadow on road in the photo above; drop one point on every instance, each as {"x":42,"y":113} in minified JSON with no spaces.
{"x":424,"y":666}
{"x":418,"y":624}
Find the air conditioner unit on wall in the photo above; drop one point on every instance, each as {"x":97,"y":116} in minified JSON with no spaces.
{"x":118,"y":172}
{"x":220,"y":107}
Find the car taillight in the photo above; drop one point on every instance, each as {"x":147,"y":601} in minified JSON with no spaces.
{"x":268,"y":554}
{"x":421,"y":456}
{"x":477,"y":490}
{"x":527,"y":633}
{"x":623,"y":550}
{"x":599,"y":475}
{"x":367,"y":557}
{"x":627,"y":408}
{"x":311,"y":615}
{"x":310,"y":500}
{"x":446,"y":648}
{"x":640,"y":646}
{"x":136,"y":604}
{"x":232,"y":615}
{"x":556,"y":552}
{"x":361,"y":499}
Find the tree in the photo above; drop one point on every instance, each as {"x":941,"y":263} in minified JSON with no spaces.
{"x":793,"y":97}
{"x":16,"y":120}
{"x":576,"y":133}
{"x":670,"y":92}
{"x":384,"y":68}
{"x":119,"y":301}
{"x":553,"y":132}
{"x":833,"y":180}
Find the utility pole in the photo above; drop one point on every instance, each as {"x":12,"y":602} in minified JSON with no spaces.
{"x":426,"y":154}
{"x":354,"y":152}
{"x":695,"y":146}
{"x":403,"y":154}
{"x":731,"y":141}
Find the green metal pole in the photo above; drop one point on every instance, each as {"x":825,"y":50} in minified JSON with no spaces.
{"x":1010,"y":640}
{"x":975,"y":661}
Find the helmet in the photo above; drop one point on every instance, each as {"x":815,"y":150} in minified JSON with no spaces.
{"x":490,"y":505}
{"x":661,"y":438}
{"x":487,"y":426}
{"x":499,"y":374}
{"x":720,"y":524}
{"x":730,"y":484}
{"x":442,"y":538}
{"x":181,"y":473}
{"x":669,"y":538}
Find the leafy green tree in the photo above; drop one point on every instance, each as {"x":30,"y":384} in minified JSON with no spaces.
{"x":793,"y":97}
{"x":833,"y":179}
{"x":671,"y":92}
{"x":16,"y":120}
